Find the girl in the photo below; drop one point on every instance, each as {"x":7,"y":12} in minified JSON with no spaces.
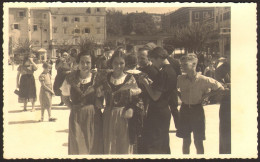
{"x":46,"y":91}
{"x":85,"y":121}
{"x":26,"y":82}
{"x":119,"y":91}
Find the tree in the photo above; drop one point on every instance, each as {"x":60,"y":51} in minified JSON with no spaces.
{"x":64,"y":47}
{"x":23,"y":47}
{"x":87,"y":45}
{"x":192,"y":38}
{"x":140,"y":23}
{"x":114,"y":21}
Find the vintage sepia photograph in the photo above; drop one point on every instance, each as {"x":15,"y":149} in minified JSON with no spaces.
{"x":105,"y":80}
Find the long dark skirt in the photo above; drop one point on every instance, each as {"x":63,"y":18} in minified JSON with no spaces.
{"x":85,"y":131}
{"x":27,"y":90}
{"x":59,"y":79}
{"x":225,"y":125}
{"x":156,"y":131}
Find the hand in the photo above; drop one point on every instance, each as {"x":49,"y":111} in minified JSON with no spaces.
{"x":88,"y":91}
{"x":31,"y":59}
{"x":203,"y":100}
{"x":128,"y":113}
{"x":143,"y":80}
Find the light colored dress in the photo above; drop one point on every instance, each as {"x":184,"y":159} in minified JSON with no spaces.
{"x":45,"y":95}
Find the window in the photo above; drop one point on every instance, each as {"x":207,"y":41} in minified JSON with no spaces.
{"x":88,"y":10}
{"x":54,"y":17}
{"x":36,"y":42}
{"x":16,"y":26}
{"x":76,"y":40}
{"x":87,"y":30}
{"x":77,"y":31}
{"x":21,"y":14}
{"x":44,"y":16}
{"x":220,"y":18}
{"x":86,"y":19}
{"x":55,"y":29}
{"x":98,"y":19}
{"x":35,"y":27}
{"x":205,"y":15}
{"x":226,"y":16}
{"x":196,"y":15}
{"x":98,"y":30}
{"x":45,"y":41}
{"x":45,"y":30}
{"x":64,"y":30}
{"x":65,"y":19}
{"x":76,"y":19}
{"x":98,"y":9}
{"x":216,"y":19}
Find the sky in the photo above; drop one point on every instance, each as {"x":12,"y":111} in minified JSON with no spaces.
{"x":157,"y":10}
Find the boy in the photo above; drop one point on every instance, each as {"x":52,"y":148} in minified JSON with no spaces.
{"x":193,"y":91}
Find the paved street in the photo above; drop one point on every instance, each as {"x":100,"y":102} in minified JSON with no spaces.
{"x":24,"y":136}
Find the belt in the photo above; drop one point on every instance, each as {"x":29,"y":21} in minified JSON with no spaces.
{"x":191,"y":105}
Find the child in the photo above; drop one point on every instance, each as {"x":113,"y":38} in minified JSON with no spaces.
{"x":193,"y":91}
{"x":46,"y":91}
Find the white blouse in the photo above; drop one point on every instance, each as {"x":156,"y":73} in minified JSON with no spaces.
{"x":65,"y":87}
{"x":117,"y":81}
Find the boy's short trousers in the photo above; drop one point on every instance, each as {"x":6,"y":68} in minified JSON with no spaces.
{"x":191,"y":119}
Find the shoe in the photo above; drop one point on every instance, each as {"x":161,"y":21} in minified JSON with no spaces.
{"x":52,"y":119}
{"x":24,"y":109}
{"x":61,"y":104}
{"x":41,"y":120}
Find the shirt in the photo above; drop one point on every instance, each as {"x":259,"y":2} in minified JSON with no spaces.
{"x":192,"y":91}
{"x":165,"y":83}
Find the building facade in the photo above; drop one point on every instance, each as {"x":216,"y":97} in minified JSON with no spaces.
{"x":223,"y":27}
{"x":18,"y":25}
{"x":49,"y":28}
{"x":216,"y":18}
{"x":69,"y":28}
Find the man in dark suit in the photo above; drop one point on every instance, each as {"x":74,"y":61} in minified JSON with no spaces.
{"x":174,"y":98}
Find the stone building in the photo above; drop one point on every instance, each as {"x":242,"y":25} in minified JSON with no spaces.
{"x":216,"y":18}
{"x":18,"y":25}
{"x":70,"y":27}
{"x":49,"y":28}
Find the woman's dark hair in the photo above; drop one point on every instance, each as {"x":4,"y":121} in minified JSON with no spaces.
{"x":120,"y":48}
{"x":25,"y":58}
{"x":46,"y":65}
{"x":81,"y":54}
{"x":158,"y":52}
{"x":74,"y":55}
{"x":131,"y":61}
{"x":117,"y":53}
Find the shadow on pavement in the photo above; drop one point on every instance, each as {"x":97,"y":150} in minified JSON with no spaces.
{"x":38,"y":109}
{"x":65,"y":144}
{"x":23,"y":122}
{"x":63,"y":131}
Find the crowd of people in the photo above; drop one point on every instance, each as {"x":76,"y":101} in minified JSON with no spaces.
{"x":122,"y":102}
